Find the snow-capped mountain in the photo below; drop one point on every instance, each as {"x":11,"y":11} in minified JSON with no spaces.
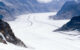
{"x":68,"y":10}
{"x":31,"y":6}
{"x":34,"y":6}
{"x":18,"y":7}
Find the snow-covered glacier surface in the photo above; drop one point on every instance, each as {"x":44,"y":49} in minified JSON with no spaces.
{"x":36,"y":31}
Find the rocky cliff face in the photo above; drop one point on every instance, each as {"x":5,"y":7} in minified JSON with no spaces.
{"x":7,"y":35}
{"x":73,"y":24}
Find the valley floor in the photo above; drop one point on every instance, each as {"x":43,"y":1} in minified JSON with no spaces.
{"x":36,"y":31}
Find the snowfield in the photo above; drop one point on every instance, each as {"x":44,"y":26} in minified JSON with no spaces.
{"x":36,"y":31}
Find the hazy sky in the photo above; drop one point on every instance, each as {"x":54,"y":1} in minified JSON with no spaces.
{"x":44,"y":1}
{"x":47,"y":1}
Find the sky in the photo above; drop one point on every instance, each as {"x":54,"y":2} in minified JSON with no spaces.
{"x":47,"y":1}
{"x":44,"y":1}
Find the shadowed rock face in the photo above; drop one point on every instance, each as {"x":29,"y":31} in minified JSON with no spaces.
{"x":6,"y":31}
{"x":73,"y":24}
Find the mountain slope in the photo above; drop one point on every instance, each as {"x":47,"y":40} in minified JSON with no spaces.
{"x":5,"y":11}
{"x":68,"y":10}
{"x":73,"y":24}
{"x":18,"y":7}
{"x":7,"y":35}
{"x":34,"y":6}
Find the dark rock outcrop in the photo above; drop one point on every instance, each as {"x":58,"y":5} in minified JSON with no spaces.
{"x":8,"y":34}
{"x":68,"y":10}
{"x":73,"y":24}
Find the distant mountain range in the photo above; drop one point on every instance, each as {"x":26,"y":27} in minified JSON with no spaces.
{"x":68,"y":10}
{"x":18,"y":7}
{"x":33,"y":6}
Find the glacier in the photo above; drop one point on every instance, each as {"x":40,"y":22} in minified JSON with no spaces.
{"x":36,"y":31}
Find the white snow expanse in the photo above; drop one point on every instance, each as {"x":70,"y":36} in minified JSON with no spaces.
{"x":36,"y":31}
